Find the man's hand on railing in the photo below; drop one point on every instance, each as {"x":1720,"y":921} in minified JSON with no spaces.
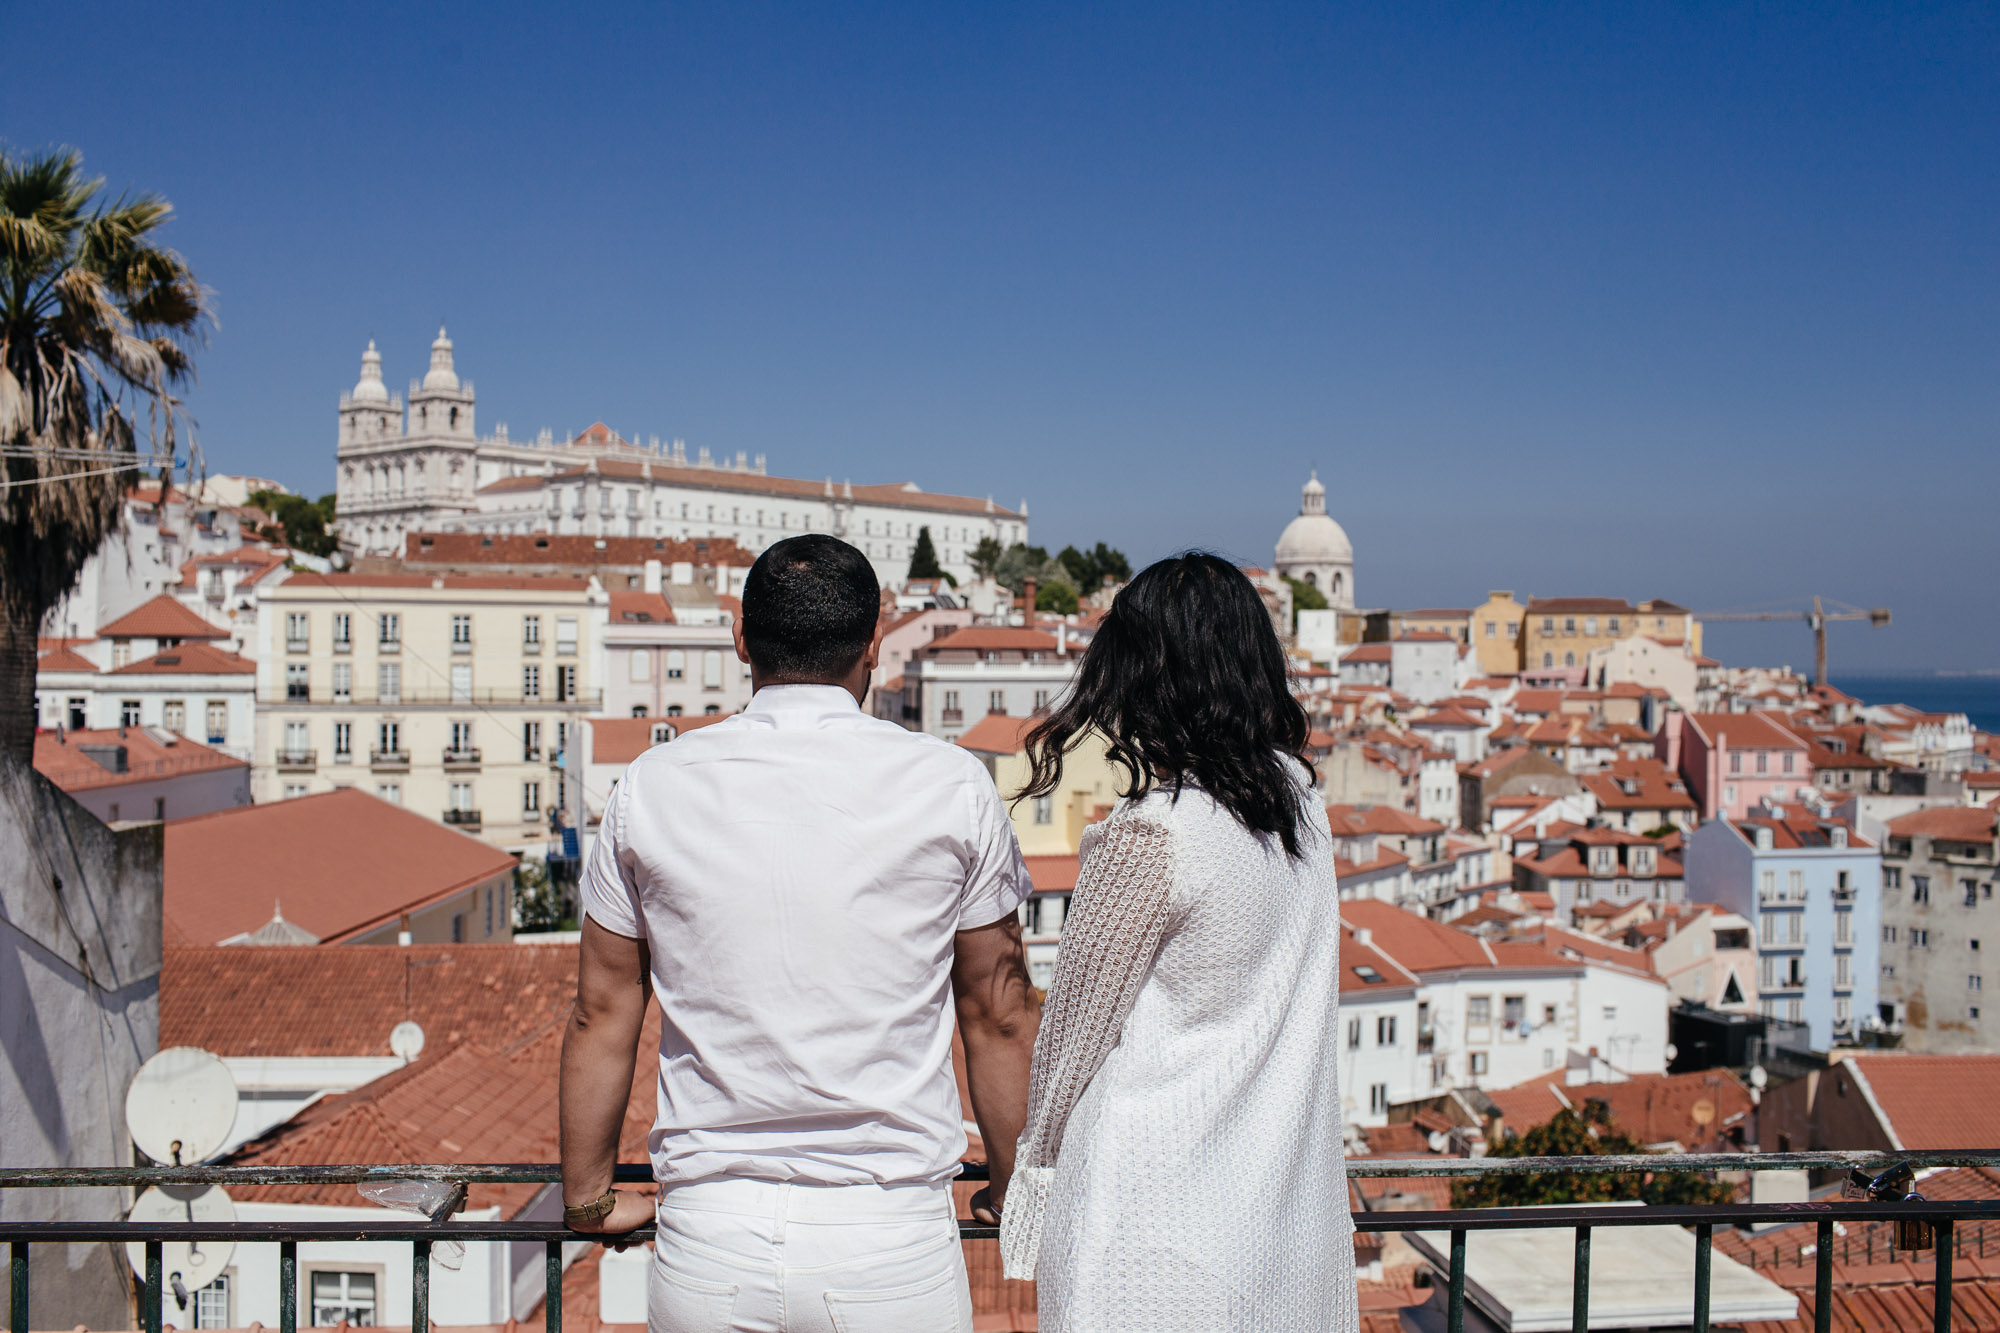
{"x":985,"y":1207}
{"x":629,"y":1211}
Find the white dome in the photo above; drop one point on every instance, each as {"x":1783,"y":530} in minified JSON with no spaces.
{"x":1313,"y":539}
{"x":370,"y":389}
{"x":441,"y":375}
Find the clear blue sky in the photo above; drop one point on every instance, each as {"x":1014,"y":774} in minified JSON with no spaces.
{"x":1690,"y":301}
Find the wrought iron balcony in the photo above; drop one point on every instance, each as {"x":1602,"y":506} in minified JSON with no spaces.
{"x":297,"y":759}
{"x":463,"y":818}
{"x":465,"y":756}
{"x":1959,"y":1227}
{"x":388,"y":758}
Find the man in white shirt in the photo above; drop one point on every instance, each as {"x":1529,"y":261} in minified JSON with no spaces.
{"x":804,"y":889}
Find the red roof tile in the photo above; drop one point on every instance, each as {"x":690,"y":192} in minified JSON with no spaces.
{"x":620,"y":740}
{"x":148,"y":758}
{"x":983,"y":638}
{"x":1745,"y":731}
{"x":640,"y":608}
{"x":189,"y":659}
{"x":1052,"y":874}
{"x":999,"y":733}
{"x":1959,"y":823}
{"x":57,"y":655}
{"x":339,"y":864}
{"x":1422,"y":945}
{"x":1367,"y":652}
{"x":1352,"y":820}
{"x":161,"y":618}
{"x":1933,"y":1101}
{"x":444,"y":582}
{"x":465,"y":548}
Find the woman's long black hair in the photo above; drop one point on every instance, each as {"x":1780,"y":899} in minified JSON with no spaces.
{"x":1187,"y":685}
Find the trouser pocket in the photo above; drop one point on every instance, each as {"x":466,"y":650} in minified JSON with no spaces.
{"x":939,"y":1304}
{"x":677,"y":1303}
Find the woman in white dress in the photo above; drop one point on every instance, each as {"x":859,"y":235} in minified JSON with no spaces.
{"x":1181,"y":1167}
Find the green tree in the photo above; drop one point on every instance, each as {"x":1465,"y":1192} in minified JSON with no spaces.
{"x":924,"y":559}
{"x":1057,"y":597}
{"x":97,"y":326}
{"x":302,"y":524}
{"x":1022,"y":563}
{"x":1585,"y":1132}
{"x":986,"y":554}
{"x":1305,"y":597}
{"x":1090,"y":570}
{"x":538,"y":907}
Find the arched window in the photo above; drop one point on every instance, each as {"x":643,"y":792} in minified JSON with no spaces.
{"x":1548,"y":659}
{"x":1569,"y":659}
{"x":1311,"y":580}
{"x":1336,"y":584}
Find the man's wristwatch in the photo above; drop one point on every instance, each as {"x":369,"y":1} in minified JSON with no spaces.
{"x":601,"y":1206}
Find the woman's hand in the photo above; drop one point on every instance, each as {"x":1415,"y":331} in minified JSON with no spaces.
{"x":628,"y":1212}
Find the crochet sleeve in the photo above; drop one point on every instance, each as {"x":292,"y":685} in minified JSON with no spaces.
{"x":1118,"y":916}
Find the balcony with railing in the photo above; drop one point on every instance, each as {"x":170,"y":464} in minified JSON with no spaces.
{"x":290,"y":761}
{"x":389,"y":759}
{"x":462,"y":818}
{"x":1912,"y":1233}
{"x":461,"y":756}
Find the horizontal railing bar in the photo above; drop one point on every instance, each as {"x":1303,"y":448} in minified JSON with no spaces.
{"x":1473,"y":1219}
{"x":1358,"y":1168}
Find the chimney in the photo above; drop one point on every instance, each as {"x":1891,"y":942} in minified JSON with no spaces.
{"x":652,"y":576}
{"x":1364,"y":937}
{"x":1062,"y":639}
{"x":1028,"y":602}
{"x":683,"y":573}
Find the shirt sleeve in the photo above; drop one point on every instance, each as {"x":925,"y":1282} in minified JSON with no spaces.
{"x":1118,"y":917}
{"x":605,"y":890}
{"x":997,"y":882}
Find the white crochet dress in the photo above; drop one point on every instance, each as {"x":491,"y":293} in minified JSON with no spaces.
{"x":1181,"y":1167}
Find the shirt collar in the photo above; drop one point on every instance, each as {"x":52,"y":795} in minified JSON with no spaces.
{"x":802,"y":703}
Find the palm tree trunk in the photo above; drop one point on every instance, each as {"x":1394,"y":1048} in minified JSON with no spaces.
{"x":19,"y":622}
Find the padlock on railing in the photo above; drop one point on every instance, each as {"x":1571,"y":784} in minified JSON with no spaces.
{"x":1893,"y":1186}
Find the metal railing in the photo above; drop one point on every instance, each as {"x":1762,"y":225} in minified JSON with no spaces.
{"x":1582,"y":1220}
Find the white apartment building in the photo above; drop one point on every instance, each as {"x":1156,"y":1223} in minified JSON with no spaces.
{"x":670,"y":651}
{"x":455,"y":696}
{"x":143,"y":557}
{"x":959,"y":678}
{"x":194,"y":690}
{"x":426,"y":468}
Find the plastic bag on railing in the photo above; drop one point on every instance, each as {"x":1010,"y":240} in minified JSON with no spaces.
{"x":432,"y":1199}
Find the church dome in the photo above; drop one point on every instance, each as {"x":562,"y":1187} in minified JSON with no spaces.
{"x":1313,"y":538}
{"x":370,"y":389}
{"x":441,"y":375}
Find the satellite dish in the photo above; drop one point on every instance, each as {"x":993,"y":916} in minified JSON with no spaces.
{"x":1702,"y":1113}
{"x":188,"y":1265}
{"x":406,"y":1041}
{"x":181,"y":1106}
{"x":1671,"y":1052}
{"x":1758,"y":1078}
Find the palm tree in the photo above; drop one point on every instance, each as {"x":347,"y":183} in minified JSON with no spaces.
{"x":96,"y":326}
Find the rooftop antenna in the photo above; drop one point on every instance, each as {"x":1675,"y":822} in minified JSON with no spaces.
{"x":180,"y":1110}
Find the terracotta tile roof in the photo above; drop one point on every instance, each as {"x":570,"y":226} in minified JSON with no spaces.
{"x":1448,"y":715}
{"x":150,"y":755}
{"x":1367,"y":652}
{"x":898,"y":495}
{"x":1592,"y":949}
{"x":1421,"y":945}
{"x":193,"y":658}
{"x":445,"y":582}
{"x":999,"y":733}
{"x":1558,"y":606}
{"x":1655,"y":787}
{"x":1536,"y":701}
{"x":1385,"y":859}
{"x":982,"y":638}
{"x":640,"y":608}
{"x":1652,"y":1108}
{"x":1484,"y":914}
{"x":1798,"y":830}
{"x":1052,"y":874}
{"x":340,"y":863}
{"x":1351,"y":820}
{"x":161,"y":618}
{"x":1960,"y":823}
{"x":1745,"y":731}
{"x":620,"y":740}
{"x":464,"y":548}
{"x":1424,"y":636}
{"x":239,"y":1001}
{"x":1933,"y":1101}
{"x":1364,"y":968}
{"x":58,"y":655}
{"x":1498,"y":760}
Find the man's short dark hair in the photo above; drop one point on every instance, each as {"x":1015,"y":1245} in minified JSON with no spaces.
{"x":810,"y":606}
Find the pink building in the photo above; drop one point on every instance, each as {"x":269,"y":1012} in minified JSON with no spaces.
{"x":1733,"y":762}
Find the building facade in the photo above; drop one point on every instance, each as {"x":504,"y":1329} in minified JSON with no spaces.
{"x":1314,"y":549}
{"x":956,"y":680}
{"x":426,"y":468}
{"x":454,"y":696}
{"x":1938,"y":870}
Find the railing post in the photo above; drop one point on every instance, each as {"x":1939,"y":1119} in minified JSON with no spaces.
{"x":1455,"y":1295}
{"x":552,"y":1297}
{"x":1579,"y":1299}
{"x":156,"y":1281}
{"x":420,"y":1286}
{"x":1823,"y":1278}
{"x":1941,"y":1319}
{"x":288,"y":1286}
{"x":1704,"y":1258}
{"x":18,"y":1301}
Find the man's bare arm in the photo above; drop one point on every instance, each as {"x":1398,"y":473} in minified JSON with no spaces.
{"x":599,"y":1053}
{"x":998,"y":1015}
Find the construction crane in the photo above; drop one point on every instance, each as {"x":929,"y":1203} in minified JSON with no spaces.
{"x":1817,"y":617}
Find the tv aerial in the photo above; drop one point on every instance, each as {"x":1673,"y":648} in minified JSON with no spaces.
{"x":179,"y":1111}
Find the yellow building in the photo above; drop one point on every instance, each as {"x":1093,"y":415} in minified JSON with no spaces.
{"x":1496,"y":634}
{"x":453,"y":696}
{"x":1558,"y":634}
{"x":1453,"y":624}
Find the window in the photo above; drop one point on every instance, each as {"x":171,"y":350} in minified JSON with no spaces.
{"x":1548,"y":1014}
{"x":1475,"y":1063}
{"x":343,"y":1298}
{"x":531,"y":799}
{"x":951,"y":701}
{"x":1843,"y":927}
{"x":1795,"y":927}
{"x":343,"y":682}
{"x":1611,"y":1013}
{"x":461,"y":796}
{"x":1611,"y":626}
{"x":343,"y":740}
{"x":211,"y":1305}
{"x":1569,"y":659}
{"x":1972,"y":982}
{"x":1888,"y":934}
{"x":1385,"y":1030}
{"x":1843,"y":969}
{"x":1892,"y":877}
{"x":1788,"y":761}
{"x":1735,"y":761}
{"x":461,"y":634}
{"x":392,"y":792}
{"x":1569,"y":624}
{"x":1767,"y":928}
{"x":1548,"y":626}
{"x":297,"y":689}
{"x":711,"y":669}
{"x":640,"y":668}
{"x":128,"y":712}
{"x":389,"y":632}
{"x":1548,"y":659}
{"x":676,"y":664}
{"x":461,"y":737}
{"x":174,"y":716}
{"x":1513,"y":1011}
{"x":1920,"y":888}
{"x":1795,"y":885}
{"x":531,"y":681}
{"x":565,"y":634}
{"x":78,"y":708}
{"x":1492,"y":628}
{"x":1919,"y":939}
{"x":489,"y":911}
{"x":389,"y":737}
{"x":389,"y":682}
{"x":1767,"y":885}
{"x":295,"y":738}
{"x":218,"y":721}
{"x":1763,"y":761}
{"x":121,"y":653}
{"x":1353,"y":1034}
{"x":1045,"y":810}
{"x":566,"y":683}
{"x":531,"y":634}
{"x":531,"y":741}
{"x":1478,"y":1010}
{"x":1548,"y":1057}
{"x":996,"y":701}
{"x":343,"y":632}
{"x":461,"y":682}
{"x":1041,"y":701}
{"x":1590,"y":626}
{"x":1378,"y":1099}
{"x":295,"y":631}
{"x":1971,"y":890}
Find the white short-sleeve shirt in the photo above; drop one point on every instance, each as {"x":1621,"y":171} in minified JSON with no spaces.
{"x":798,"y":873}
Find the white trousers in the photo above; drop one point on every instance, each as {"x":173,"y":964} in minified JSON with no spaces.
{"x":757,"y":1256}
